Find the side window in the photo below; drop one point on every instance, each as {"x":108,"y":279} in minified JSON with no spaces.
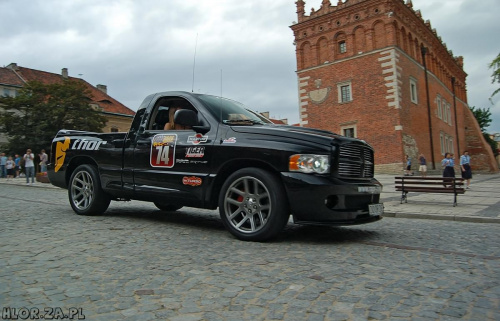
{"x":164,"y":111}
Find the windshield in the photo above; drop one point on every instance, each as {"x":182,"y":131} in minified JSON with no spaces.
{"x":231,"y":112}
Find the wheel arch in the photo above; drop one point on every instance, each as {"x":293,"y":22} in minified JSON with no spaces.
{"x":231,"y":167}
{"x":77,"y":161}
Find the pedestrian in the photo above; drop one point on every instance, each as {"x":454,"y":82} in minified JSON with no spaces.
{"x":465,"y":167}
{"x":423,"y":165}
{"x":448,"y":164}
{"x":17,"y":161}
{"x":43,"y":161}
{"x":29,"y":166}
{"x":3,"y":161}
{"x":408,"y":166}
{"x":10,"y":166}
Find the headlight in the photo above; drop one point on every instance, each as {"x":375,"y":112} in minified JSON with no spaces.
{"x":308,"y":163}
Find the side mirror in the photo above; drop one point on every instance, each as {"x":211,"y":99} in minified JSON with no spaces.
{"x":186,"y":117}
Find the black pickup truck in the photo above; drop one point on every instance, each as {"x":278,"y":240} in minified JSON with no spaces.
{"x":218,"y":153}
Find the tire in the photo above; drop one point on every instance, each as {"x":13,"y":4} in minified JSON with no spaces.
{"x":253,"y":205}
{"x":85,"y":192}
{"x":167,"y":207}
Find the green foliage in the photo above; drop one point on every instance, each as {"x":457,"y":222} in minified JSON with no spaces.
{"x":39,"y":111}
{"x":495,"y":65}
{"x":483,"y":117}
{"x":493,"y":144}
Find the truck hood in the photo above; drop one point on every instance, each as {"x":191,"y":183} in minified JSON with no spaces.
{"x":307,"y":134}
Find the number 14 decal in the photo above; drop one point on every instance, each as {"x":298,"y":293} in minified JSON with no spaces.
{"x":163,"y":150}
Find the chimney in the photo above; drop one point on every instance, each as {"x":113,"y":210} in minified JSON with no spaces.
{"x":103,"y":88}
{"x":13,"y":66}
{"x":64,"y":73}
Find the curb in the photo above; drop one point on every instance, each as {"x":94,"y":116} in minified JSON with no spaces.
{"x":468,"y":219}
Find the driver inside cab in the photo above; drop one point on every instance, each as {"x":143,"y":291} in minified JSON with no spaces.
{"x":170,"y":125}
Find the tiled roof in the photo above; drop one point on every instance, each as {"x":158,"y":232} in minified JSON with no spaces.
{"x":106,"y":102}
{"x":9,"y":77}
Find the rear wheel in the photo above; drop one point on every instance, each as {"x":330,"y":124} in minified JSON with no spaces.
{"x":253,"y":204}
{"x":167,"y":207}
{"x":85,"y":193}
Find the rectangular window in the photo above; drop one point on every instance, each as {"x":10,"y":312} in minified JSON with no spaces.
{"x":445,"y":113}
{"x":450,"y":147}
{"x":346,"y":93}
{"x":413,"y":91}
{"x":441,"y":139}
{"x":348,"y":132}
{"x":448,"y":107}
{"x":439,"y":111}
{"x":6,"y":92}
{"x":342,"y":47}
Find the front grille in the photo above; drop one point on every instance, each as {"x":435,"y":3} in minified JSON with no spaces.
{"x":356,"y":161}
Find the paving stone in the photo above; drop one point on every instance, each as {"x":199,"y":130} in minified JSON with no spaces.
{"x":135,"y":263}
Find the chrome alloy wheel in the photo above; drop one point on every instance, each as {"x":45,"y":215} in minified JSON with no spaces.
{"x":82,"y":190}
{"x":247,"y":204}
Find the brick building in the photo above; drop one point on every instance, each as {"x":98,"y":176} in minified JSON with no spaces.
{"x":119,"y":117}
{"x":361,"y":72}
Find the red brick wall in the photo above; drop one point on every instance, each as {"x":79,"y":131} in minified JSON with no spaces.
{"x":384,"y":43}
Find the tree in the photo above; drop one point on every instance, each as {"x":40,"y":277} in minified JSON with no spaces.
{"x":39,"y":111}
{"x":483,"y":117}
{"x":495,"y":65}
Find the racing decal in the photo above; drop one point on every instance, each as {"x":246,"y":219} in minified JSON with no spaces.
{"x":83,"y":144}
{"x":182,"y":161}
{"x":230,"y":140}
{"x":61,"y":149}
{"x":196,"y":139}
{"x":198,"y":151}
{"x":192,"y":181}
{"x":163,"y":150}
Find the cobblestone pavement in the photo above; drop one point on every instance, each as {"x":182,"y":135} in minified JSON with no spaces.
{"x":138,"y":263}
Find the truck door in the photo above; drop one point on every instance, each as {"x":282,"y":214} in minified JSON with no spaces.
{"x":172,"y":164}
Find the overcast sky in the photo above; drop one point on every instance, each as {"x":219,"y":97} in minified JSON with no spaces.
{"x":244,"y":49}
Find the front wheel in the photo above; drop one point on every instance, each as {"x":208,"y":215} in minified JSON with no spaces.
{"x":85,"y":192}
{"x":253,"y":205}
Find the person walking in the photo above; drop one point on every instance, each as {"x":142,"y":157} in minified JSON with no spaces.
{"x":423,"y":165}
{"x":3,"y":162}
{"x":465,"y":167}
{"x":29,"y":166}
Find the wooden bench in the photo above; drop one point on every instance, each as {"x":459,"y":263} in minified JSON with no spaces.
{"x":450,"y":185}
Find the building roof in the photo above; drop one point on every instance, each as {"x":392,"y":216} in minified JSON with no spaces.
{"x":15,"y":75}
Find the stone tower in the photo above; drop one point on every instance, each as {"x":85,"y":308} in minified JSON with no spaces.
{"x":377,"y":71}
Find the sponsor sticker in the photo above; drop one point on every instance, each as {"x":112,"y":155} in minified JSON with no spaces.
{"x":163,"y":150}
{"x":191,"y":180}
{"x":196,"y":139}
{"x":230,"y":140}
{"x":198,"y":151}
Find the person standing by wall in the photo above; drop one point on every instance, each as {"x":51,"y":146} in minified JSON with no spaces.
{"x":423,"y":165}
{"x":3,"y":162}
{"x":43,"y":161}
{"x":29,"y":166}
{"x":408,"y":166}
{"x":465,"y":167}
{"x":17,"y":161}
{"x":448,"y":164}
{"x":10,"y":166}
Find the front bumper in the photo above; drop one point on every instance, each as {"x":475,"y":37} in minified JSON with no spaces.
{"x":322,"y":200}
